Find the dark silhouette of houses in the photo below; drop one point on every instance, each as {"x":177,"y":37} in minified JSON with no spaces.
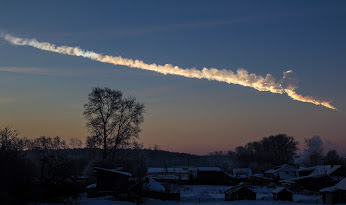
{"x":212,"y":176}
{"x":260,"y":180}
{"x":191,"y":175}
{"x":112,"y":180}
{"x":282,"y":194}
{"x":331,"y":170}
{"x":282,"y":172}
{"x":239,"y":192}
{"x":335,"y":194}
{"x":313,"y":183}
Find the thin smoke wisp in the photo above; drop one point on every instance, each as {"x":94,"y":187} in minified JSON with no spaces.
{"x":287,"y":84}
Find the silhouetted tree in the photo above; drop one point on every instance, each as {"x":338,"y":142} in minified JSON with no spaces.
{"x":270,"y":151}
{"x":112,"y":119}
{"x":333,"y":158}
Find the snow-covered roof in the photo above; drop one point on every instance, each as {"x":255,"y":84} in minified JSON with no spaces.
{"x":238,"y":171}
{"x":305,"y":177}
{"x":114,"y":171}
{"x":284,"y":167}
{"x":171,"y":177}
{"x":236,"y":188}
{"x":206,"y":169}
{"x":339,"y":186}
{"x":280,"y":189}
{"x":182,"y":169}
{"x":153,"y":185}
{"x":91,"y":186}
{"x":325,"y":169}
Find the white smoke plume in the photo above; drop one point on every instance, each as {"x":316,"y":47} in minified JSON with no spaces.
{"x":287,"y":84}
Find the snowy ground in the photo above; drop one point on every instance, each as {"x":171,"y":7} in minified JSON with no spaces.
{"x":208,"y":195}
{"x":86,"y":201}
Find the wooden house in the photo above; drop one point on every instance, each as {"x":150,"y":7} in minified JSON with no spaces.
{"x":282,"y":194}
{"x":335,"y":194}
{"x":111,"y":180}
{"x":239,"y":192}
{"x":282,"y":172}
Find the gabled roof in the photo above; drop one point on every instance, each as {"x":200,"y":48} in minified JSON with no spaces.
{"x":283,"y":167}
{"x":113,"y":171}
{"x":236,"y":188}
{"x":321,"y":169}
{"x":339,"y":186}
{"x":306,"y":177}
{"x":207,"y":169}
{"x":236,"y":171}
{"x":325,"y":169}
{"x":280,"y":189}
{"x":153,"y":185}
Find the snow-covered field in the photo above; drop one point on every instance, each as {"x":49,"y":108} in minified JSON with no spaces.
{"x":208,"y":195}
{"x":86,"y":201}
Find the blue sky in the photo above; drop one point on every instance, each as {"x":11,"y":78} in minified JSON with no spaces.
{"x":45,"y":95}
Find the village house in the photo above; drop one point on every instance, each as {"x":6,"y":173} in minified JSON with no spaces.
{"x":260,"y":180}
{"x":312,"y":183}
{"x":282,"y":172}
{"x":331,"y":170}
{"x":191,"y":175}
{"x":335,"y":194}
{"x":111,"y":180}
{"x":213,"y":176}
{"x":240,"y":192}
{"x":242,"y":172}
{"x":282,"y":194}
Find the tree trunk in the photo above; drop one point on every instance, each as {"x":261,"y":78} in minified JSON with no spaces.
{"x":104,"y":148}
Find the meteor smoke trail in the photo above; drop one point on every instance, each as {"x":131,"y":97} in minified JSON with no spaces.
{"x":286,"y":85}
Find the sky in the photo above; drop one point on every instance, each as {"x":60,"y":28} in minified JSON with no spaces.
{"x":42,"y":93}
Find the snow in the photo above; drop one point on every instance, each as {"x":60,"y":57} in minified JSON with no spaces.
{"x":104,"y":201}
{"x":278,"y":190}
{"x":153,"y":185}
{"x":242,"y":171}
{"x":196,"y":191}
{"x":91,"y":186}
{"x":114,"y":171}
{"x":339,"y":186}
{"x":324,"y":169}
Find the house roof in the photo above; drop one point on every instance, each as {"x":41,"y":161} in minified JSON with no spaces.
{"x":114,"y":171}
{"x":321,"y":169}
{"x":153,"y":185}
{"x":306,"y":177}
{"x":339,"y":186}
{"x":283,"y":167}
{"x":242,"y":170}
{"x":183,"y":169}
{"x":280,"y":189}
{"x":236,"y":188}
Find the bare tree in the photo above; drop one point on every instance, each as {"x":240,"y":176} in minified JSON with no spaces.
{"x":76,"y":143}
{"x":112,"y":120}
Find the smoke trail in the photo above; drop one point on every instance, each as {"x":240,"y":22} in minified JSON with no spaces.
{"x":241,"y":77}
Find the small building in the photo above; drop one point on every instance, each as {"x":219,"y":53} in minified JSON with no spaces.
{"x":112,"y":180}
{"x":282,"y":194}
{"x":242,"y":171}
{"x":212,"y":176}
{"x":260,"y":180}
{"x":331,"y":170}
{"x":335,"y":194}
{"x":239,"y":192}
{"x":312,"y":182}
{"x":282,"y":172}
{"x":191,"y":175}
